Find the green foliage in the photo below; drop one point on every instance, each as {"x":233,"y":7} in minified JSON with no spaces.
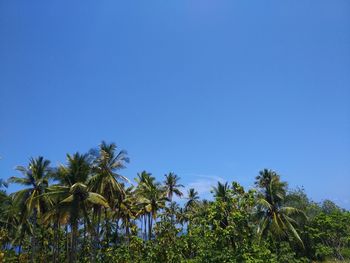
{"x":330,"y":234}
{"x":86,"y":211}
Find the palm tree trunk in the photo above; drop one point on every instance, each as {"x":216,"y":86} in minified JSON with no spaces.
{"x":74,"y":237}
{"x":58,"y":240}
{"x":55,"y":241}
{"x":107,"y":227}
{"x":127,"y":230}
{"x":141,"y":221}
{"x":149,"y":226}
{"x":84,"y":234}
{"x":96,"y":241}
{"x":98,"y":226}
{"x":145,"y":223}
{"x":67,"y":242}
{"x":172,"y":212}
{"x":117,"y":231}
{"x":34,"y":235}
{"x":92,"y":252}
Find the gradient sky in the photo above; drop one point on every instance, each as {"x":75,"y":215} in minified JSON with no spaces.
{"x":212,"y":90}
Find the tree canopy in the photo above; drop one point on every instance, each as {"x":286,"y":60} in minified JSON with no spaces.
{"x":86,"y":211}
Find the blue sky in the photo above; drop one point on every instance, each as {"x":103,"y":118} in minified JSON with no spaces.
{"x":212,"y":90}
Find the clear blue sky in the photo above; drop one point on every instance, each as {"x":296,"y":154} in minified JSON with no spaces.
{"x":207,"y":89}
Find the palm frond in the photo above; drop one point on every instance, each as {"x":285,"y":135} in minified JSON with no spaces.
{"x":97,"y":200}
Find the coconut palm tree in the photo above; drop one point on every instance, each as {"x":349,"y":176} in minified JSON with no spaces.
{"x":172,"y":210}
{"x":181,"y":216}
{"x":106,"y":179}
{"x":152,"y":198}
{"x":192,"y":199}
{"x":9,"y":216}
{"x":154,"y":201}
{"x":106,"y":165}
{"x":76,"y":204}
{"x":12,"y":218}
{"x":172,"y":186}
{"x":76,"y":170}
{"x":144,"y":178}
{"x":36,"y":178}
{"x":274,"y":218}
{"x":127,"y":210}
{"x":79,"y":201}
{"x":31,"y":199}
{"x":75,"y":198}
{"x":221,"y":191}
{"x":191,"y":206}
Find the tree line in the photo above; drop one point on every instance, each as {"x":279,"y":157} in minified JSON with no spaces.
{"x":86,"y":211}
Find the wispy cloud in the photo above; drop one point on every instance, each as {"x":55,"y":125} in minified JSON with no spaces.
{"x":202,"y":183}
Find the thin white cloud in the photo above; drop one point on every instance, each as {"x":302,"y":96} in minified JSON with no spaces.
{"x":202,"y":183}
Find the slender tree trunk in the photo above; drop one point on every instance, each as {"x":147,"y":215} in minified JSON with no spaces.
{"x":58,"y":241}
{"x":67,"y":242}
{"x":107,"y":228}
{"x":96,"y":242}
{"x":145,"y":223}
{"x":141,"y":221}
{"x":55,"y":241}
{"x":171,"y":210}
{"x":93,"y":250}
{"x":74,"y":233}
{"x":150,"y":226}
{"x":84,"y":234}
{"x":117,"y":231}
{"x":98,"y":227}
{"x":33,"y":256}
{"x":127,"y":229}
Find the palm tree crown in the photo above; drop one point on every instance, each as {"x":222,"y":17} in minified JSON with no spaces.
{"x":172,"y":185}
{"x":274,"y":217}
{"x":221,"y":191}
{"x":105,"y":179}
{"x":192,"y":199}
{"x":36,"y":177}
